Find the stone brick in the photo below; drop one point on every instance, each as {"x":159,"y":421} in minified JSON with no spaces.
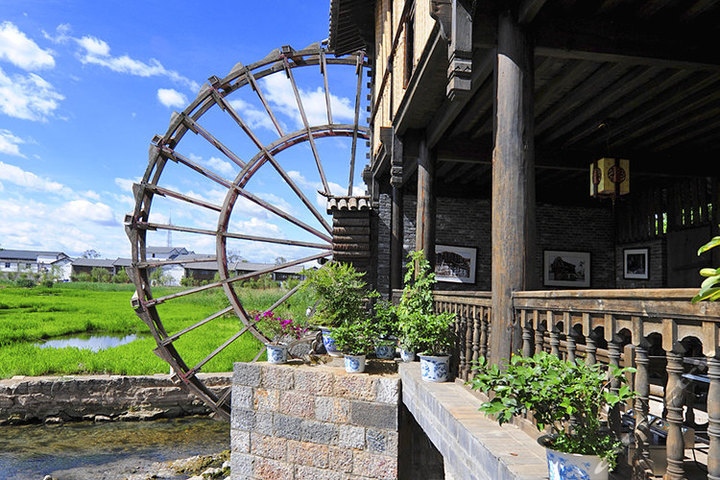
{"x":241,"y":466}
{"x":375,"y":466}
{"x":264,"y":423}
{"x":242,"y":397}
{"x":319,"y":432}
{"x":277,"y":377}
{"x":267,"y":469}
{"x":265,"y":400}
{"x":329,"y":409}
{"x":351,"y":436}
{"x":297,"y":404}
{"x":388,"y":390}
{"x":355,"y":386}
{"x":314,"y":382}
{"x":240,"y":441}
{"x":341,"y":459}
{"x":241,"y":419}
{"x":268,"y":446}
{"x":381,"y":441}
{"x":247,"y":374}
{"x":374,"y":415}
{"x":310,"y":473}
{"x":308,"y":453}
{"x":287,"y":427}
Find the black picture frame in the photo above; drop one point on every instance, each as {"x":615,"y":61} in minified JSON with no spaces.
{"x":636,"y":264}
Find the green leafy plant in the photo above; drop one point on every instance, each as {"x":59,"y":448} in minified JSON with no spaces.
{"x":567,"y":397}
{"x":421,"y":330}
{"x":355,"y":338}
{"x":278,"y":329}
{"x":339,"y":290}
{"x":385,"y":320}
{"x":710,"y":288}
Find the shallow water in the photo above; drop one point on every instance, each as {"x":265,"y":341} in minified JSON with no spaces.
{"x":94,"y":343}
{"x":32,"y":451}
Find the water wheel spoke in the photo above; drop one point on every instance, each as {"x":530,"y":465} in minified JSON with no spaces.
{"x":171,"y":154}
{"x":220,"y":100}
{"x":161,"y":263}
{"x":172,"y":338}
{"x":262,"y":350}
{"x":195,"y":128}
{"x":195,"y":201}
{"x":184,"y":293}
{"x":266,"y":105}
{"x":219,"y":349}
{"x":301,"y":108}
{"x":358,"y":71}
{"x":275,"y":268}
{"x":323,"y":70}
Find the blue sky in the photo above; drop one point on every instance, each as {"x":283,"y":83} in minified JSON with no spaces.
{"x":84,"y":86}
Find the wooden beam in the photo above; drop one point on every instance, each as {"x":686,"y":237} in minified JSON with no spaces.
{"x":529,"y":9}
{"x":513,"y":202}
{"x":425,"y":213}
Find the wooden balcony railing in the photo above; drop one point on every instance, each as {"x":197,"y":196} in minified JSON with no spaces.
{"x":673,"y":345}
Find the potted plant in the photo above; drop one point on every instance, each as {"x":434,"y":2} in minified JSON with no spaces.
{"x":565,"y":398}
{"x":421,"y":330}
{"x":281,"y":332}
{"x":385,"y":323}
{"x":340,"y":292}
{"x":355,"y":340}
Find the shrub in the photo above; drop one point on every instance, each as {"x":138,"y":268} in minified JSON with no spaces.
{"x":25,"y":282}
{"x":100,"y":275}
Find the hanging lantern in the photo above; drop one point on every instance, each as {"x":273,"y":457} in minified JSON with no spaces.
{"x":610,"y":177}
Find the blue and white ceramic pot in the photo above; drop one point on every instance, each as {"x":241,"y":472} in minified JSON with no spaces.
{"x":329,"y":343}
{"x":385,"y":351}
{"x":407,"y":355}
{"x":354,"y":363}
{"x":277,"y":353}
{"x":571,"y":466}
{"x":434,"y":368}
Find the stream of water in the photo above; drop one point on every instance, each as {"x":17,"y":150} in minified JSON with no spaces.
{"x":84,"y":451}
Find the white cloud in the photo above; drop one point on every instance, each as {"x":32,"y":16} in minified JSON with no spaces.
{"x":254,"y":117}
{"x":171,"y":98}
{"x":94,"y":46}
{"x":29,"y":97}
{"x":92,"y":195}
{"x":221,"y":166}
{"x":321,"y":200}
{"x":9,"y":143}
{"x":94,"y":212}
{"x":22,"y":178}
{"x":126,"y":183}
{"x":18,"y":49}
{"x":280,"y":95}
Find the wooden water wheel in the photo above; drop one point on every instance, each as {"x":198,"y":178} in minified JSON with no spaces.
{"x":254,"y":147}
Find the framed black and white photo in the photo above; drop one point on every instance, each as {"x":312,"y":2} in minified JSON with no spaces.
{"x":566,"y":269}
{"x":455,"y":264}
{"x":635,"y":263}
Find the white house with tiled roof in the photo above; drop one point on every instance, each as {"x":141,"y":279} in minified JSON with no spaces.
{"x":34,"y":261}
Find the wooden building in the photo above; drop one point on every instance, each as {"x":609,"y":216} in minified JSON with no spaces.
{"x":571,"y":147}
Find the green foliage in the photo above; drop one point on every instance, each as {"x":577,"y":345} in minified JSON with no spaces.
{"x":710,"y":288}
{"x":339,"y":290}
{"x":355,"y":338}
{"x":100,"y":275}
{"x":121,"y":277}
{"x":384,"y":318}
{"x":47,"y":283}
{"x":81,"y":277}
{"x":555,"y":391}
{"x":421,"y":330}
{"x":264,"y":281}
{"x":25,"y":282}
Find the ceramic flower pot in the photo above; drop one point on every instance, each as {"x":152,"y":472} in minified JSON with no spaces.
{"x":277,"y":353}
{"x":567,"y":466}
{"x":407,"y":355}
{"x":329,"y":343}
{"x":354,"y":363}
{"x":385,"y":352}
{"x":434,"y":368}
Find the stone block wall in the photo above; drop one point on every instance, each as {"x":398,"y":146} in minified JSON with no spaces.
{"x":292,"y":422}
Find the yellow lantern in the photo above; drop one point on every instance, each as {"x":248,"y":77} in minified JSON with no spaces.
{"x":610,"y":177}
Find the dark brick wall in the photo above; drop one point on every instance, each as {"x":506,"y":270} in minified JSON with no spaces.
{"x":656,"y":261}
{"x":384,"y":213}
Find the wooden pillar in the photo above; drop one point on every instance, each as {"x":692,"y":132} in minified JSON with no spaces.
{"x":425,"y":215}
{"x":513,"y":176}
{"x":642,"y":465}
{"x":397,"y":256}
{"x":674,"y":393}
{"x":713,"y":411}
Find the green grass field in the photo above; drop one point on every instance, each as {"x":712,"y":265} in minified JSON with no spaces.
{"x":29,"y":315}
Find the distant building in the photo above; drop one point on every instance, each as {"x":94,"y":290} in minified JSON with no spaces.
{"x":166,"y":253}
{"x":203,"y":271}
{"x":86,"y":265}
{"x":33,"y":261}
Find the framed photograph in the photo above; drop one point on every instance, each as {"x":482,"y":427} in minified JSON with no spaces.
{"x":566,"y":269}
{"x":455,"y":264}
{"x":635,"y":263}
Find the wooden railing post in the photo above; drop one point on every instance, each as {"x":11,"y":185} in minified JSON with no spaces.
{"x":476,"y":319}
{"x":468,"y":340}
{"x":539,"y":338}
{"x":571,"y":344}
{"x":484,"y":340}
{"x":674,"y":393}
{"x":713,"y":411}
{"x":555,"y":341}
{"x":527,"y":334}
{"x":591,"y":348}
{"x":614,"y":346}
{"x":642,"y":465}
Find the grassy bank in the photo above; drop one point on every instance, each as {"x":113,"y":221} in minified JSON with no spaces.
{"x":29,"y":315}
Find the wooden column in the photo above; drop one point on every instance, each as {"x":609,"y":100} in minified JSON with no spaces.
{"x":425,"y":215}
{"x":571,"y":344}
{"x":397,"y":256}
{"x":642,"y":465}
{"x":527,"y":334}
{"x":591,"y":348}
{"x":614,"y":347}
{"x":713,"y":411}
{"x":512,"y":180}
{"x":674,"y":403}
